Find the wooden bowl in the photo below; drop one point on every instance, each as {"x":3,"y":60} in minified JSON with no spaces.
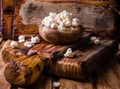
{"x":60,"y":37}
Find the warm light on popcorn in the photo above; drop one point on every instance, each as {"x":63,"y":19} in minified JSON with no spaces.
{"x":69,"y":53}
{"x":60,"y":21}
{"x":14,"y":44}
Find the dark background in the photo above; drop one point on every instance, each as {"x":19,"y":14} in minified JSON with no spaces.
{"x":117,"y":35}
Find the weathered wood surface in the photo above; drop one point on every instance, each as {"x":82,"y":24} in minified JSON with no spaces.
{"x":7,"y":18}
{"x":107,"y":77}
{"x":3,"y":83}
{"x":18,"y":26}
{"x":11,"y":24}
{"x":92,"y":17}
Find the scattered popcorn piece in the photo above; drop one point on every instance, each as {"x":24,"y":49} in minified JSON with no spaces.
{"x":21,"y":38}
{"x":75,"y":22}
{"x":97,"y":41}
{"x":56,"y":84}
{"x":35,"y":39}
{"x":69,"y":53}
{"x":28,"y":44}
{"x":14,"y":44}
{"x":93,"y":38}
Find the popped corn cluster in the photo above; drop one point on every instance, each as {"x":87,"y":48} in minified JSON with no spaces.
{"x":28,"y":44}
{"x":61,"y":21}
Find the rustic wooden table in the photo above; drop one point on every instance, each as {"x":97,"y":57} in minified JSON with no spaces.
{"x":108,"y":77}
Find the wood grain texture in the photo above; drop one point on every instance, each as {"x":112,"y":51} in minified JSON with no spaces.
{"x":11,"y":24}
{"x":70,"y":84}
{"x":7,"y":18}
{"x":91,"y":17}
{"x":86,"y":60}
{"x":44,"y":82}
{"x":99,"y":19}
{"x":88,"y":2}
{"x":19,"y":27}
{"x":7,"y":29}
{"x":56,"y":36}
{"x":8,"y":7}
{"x":109,"y":76}
{"x":3,"y":83}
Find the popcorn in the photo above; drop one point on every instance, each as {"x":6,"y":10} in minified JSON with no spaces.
{"x":60,"y":27}
{"x":72,"y":28}
{"x":93,"y":38}
{"x":97,"y":41}
{"x":54,"y":25}
{"x":56,"y":84}
{"x":60,"y":20}
{"x":64,"y":11}
{"x":28,"y":44}
{"x":35,"y":39}
{"x":52,"y":14}
{"x":14,"y":44}
{"x":69,"y":53}
{"x":21,"y":38}
{"x":75,"y":22}
{"x":47,"y":24}
{"x":68,"y":23}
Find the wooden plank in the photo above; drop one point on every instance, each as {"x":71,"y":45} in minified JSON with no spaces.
{"x":7,"y":29}
{"x":7,"y":20}
{"x":91,"y":17}
{"x":19,"y":27}
{"x":11,"y":24}
{"x":44,"y":82}
{"x":70,"y":84}
{"x":109,"y":76}
{"x":98,"y":57}
{"x":8,"y":7}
